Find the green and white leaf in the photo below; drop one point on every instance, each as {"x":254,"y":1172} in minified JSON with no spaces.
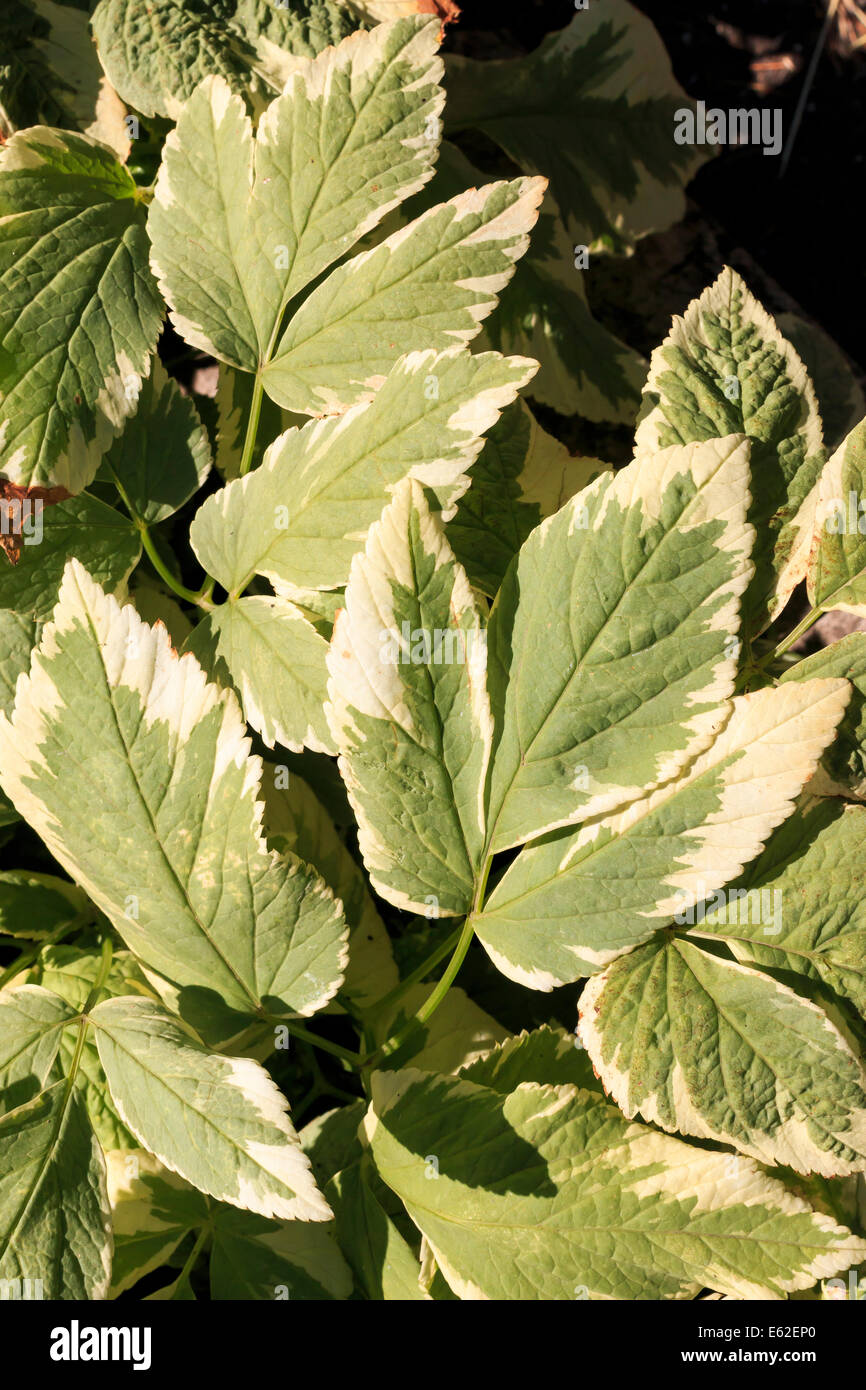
{"x":300,"y":518}
{"x":574,"y":901}
{"x":801,"y":885}
{"x":612,"y":643}
{"x":249,"y":215}
{"x":36,"y":905}
{"x":712,"y":1048}
{"x":252,"y":1258}
{"x":606,"y":74}
{"x":54,"y":1216}
{"x":17,"y":638}
{"x":843,"y":767}
{"x":295,"y":820}
{"x":163,"y":456}
{"x":521,"y":476}
{"x":171,"y":849}
{"x":725,"y":367}
{"x":458,"y":1034}
{"x":837,"y":564}
{"x":105,"y":541}
{"x":383,"y":1262}
{"x":547,"y":1055}
{"x":155,"y":606}
{"x":409,"y":713}
{"x":275,"y":661}
{"x":233,"y":402}
{"x":584,"y":369}
{"x":559,"y":1197}
{"x":70,"y":973}
{"x":80,"y":310}
{"x":32,"y":1020}
{"x":219,"y":1122}
{"x":49,"y":72}
{"x":152,"y":1211}
{"x":157,"y":51}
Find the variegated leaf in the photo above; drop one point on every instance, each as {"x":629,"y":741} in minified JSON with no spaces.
{"x":409,"y":713}
{"x":103,"y":539}
{"x":613,"y":640}
{"x":171,"y":847}
{"x":267,"y":222}
{"x":275,"y":660}
{"x":574,"y":901}
{"x":607,"y":75}
{"x":793,"y":908}
{"x":726,"y":367}
{"x":428,"y":285}
{"x":708,"y":1047}
{"x":162,"y":456}
{"x":296,"y":820}
{"x":521,"y":476}
{"x":32,"y":1021}
{"x":79,"y":310}
{"x":300,"y":518}
{"x":156,"y":51}
{"x":558,"y":1197}
{"x":218,"y":1121}
{"x":55,"y":1230}
{"x":837,"y":564}
{"x":843,"y":766}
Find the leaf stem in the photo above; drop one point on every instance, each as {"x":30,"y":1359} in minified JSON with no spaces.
{"x":420,"y":973}
{"x":165,"y":573}
{"x":433,"y":1000}
{"x":298,"y":1031}
{"x":252,"y":426}
{"x":811,"y":617}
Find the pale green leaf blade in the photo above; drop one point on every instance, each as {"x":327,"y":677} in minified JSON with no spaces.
{"x":843,"y":766}
{"x":347,"y":140}
{"x":162,"y":456}
{"x":171,"y":849}
{"x":714,"y":1049}
{"x":408,"y":710}
{"x":276,"y":662}
{"x":198,"y":228}
{"x":300,"y":518}
{"x":612,"y":643}
{"x":80,"y":311}
{"x":31,"y":1023}
{"x":365,"y":114}
{"x":296,"y":820}
{"x":152,"y":1210}
{"x":427,"y":286}
{"x":795,"y":907}
{"x":255,"y":1259}
{"x":606,"y":74}
{"x":35,"y":905}
{"x":521,"y":476}
{"x":154,"y":606}
{"x":384,"y":1264}
{"x":103,"y":539}
{"x":219,"y":1122}
{"x":55,"y":1226}
{"x":70,"y":973}
{"x":457,"y":1035}
{"x":547,"y":1055}
{"x":725,"y":367}
{"x":837,"y":561}
{"x":573,"y":902}
{"x":559,"y":1197}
